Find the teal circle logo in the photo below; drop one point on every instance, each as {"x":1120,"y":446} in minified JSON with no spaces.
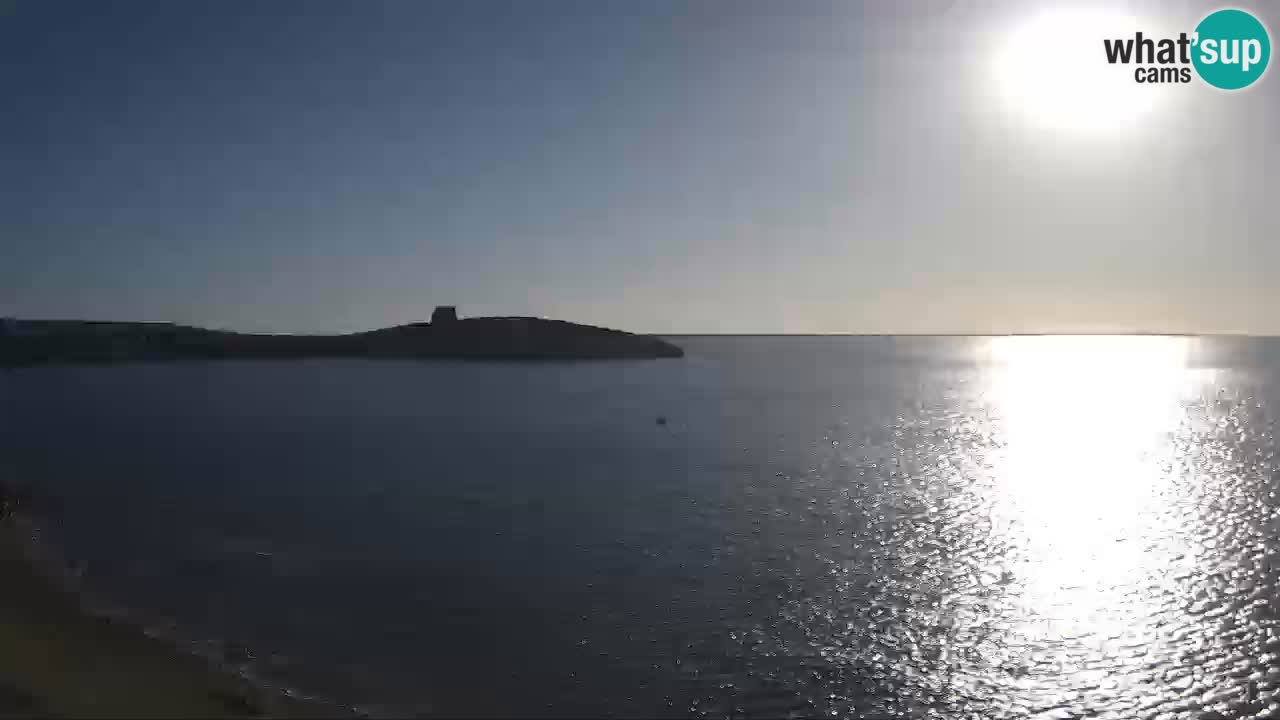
{"x":1232,"y":49}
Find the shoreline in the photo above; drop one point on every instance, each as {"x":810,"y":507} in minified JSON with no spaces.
{"x":58,"y":658}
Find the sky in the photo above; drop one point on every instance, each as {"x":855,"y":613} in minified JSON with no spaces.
{"x":665,"y":167}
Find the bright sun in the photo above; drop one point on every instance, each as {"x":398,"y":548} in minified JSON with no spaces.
{"x":1051,"y":71}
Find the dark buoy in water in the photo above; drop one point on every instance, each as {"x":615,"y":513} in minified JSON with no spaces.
{"x":662,"y":420}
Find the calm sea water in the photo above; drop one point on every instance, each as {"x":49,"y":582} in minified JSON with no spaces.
{"x":879,"y":527}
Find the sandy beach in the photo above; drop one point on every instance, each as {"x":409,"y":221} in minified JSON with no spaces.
{"x":58,"y":661}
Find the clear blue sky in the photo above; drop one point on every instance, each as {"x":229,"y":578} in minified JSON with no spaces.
{"x":657,"y":166}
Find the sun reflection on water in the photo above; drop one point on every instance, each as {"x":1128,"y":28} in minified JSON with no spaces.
{"x":1082,"y":478}
{"x":1069,"y":527}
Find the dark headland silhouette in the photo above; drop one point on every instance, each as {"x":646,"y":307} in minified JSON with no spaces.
{"x":41,"y":342}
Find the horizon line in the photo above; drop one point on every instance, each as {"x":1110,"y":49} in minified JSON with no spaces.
{"x":851,"y":333}
{"x":955,"y":334}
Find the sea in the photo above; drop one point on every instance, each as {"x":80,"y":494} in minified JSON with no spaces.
{"x":872,"y":527}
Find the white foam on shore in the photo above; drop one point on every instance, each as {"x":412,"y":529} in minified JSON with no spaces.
{"x":46,"y":559}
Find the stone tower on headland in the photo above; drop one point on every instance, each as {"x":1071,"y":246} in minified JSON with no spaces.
{"x":444,"y":314}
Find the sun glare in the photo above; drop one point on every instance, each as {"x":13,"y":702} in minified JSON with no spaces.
{"x":1051,"y":71}
{"x":1086,"y":424}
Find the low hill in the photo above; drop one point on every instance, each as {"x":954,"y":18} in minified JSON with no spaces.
{"x":38,"y":342}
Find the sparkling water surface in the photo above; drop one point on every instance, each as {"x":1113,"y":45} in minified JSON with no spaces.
{"x":1055,"y":527}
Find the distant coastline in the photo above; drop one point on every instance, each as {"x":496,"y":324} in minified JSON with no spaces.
{"x":47,"y":342}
